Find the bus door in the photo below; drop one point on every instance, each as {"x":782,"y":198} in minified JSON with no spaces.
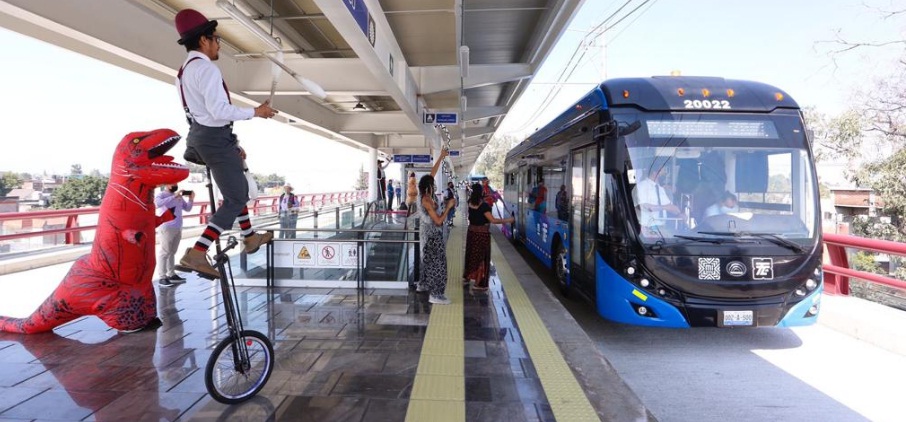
{"x":521,"y":175}
{"x":583,"y":224}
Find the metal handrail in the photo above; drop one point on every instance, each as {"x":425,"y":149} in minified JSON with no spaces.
{"x":72,"y":228}
{"x":838,"y":272}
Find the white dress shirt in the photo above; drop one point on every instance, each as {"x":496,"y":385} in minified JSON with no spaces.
{"x":648,"y":192}
{"x":205,"y":94}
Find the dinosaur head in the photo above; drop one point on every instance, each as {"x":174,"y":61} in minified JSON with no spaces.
{"x":139,"y":157}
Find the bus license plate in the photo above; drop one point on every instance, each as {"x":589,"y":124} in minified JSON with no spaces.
{"x":738,"y":318}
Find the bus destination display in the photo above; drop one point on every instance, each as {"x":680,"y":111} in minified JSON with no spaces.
{"x":711,"y":129}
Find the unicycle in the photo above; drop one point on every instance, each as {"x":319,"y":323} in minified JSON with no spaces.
{"x":241,"y":364}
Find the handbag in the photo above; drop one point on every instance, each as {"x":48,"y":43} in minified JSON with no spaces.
{"x":253,"y":185}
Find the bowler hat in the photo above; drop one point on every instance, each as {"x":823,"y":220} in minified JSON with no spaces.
{"x":190,"y":23}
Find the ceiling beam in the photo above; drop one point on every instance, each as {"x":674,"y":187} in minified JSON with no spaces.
{"x":434,"y":79}
{"x":377,"y":52}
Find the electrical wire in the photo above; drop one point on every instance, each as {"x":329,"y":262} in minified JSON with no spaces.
{"x":571,"y":66}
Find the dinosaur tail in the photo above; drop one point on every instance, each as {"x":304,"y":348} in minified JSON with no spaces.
{"x":50,"y":314}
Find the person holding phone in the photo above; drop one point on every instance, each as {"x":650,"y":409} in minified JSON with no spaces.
{"x":433,"y":270}
{"x":170,"y":233}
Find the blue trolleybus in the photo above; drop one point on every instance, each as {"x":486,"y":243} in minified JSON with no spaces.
{"x":675,"y":202}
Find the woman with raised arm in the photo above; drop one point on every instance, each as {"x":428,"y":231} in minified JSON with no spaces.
{"x":433,"y":274}
{"x":478,"y":241}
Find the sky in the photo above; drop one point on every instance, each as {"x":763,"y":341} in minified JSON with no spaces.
{"x":770,"y":41}
{"x":61,"y":108}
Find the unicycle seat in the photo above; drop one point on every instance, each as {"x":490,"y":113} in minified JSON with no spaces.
{"x":192,"y":156}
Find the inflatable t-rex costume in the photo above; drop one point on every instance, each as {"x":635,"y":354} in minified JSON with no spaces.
{"x":114,"y":280}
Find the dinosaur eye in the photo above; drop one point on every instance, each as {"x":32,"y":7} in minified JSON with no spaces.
{"x":136,"y":141}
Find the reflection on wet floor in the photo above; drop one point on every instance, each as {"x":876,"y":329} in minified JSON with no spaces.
{"x":339,"y":357}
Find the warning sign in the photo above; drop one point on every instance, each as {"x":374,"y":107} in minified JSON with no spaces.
{"x":315,"y":254}
{"x":328,"y":255}
{"x":302,"y":254}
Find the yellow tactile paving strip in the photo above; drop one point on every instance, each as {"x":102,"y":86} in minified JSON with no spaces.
{"x":439,"y":390}
{"x":565,"y":395}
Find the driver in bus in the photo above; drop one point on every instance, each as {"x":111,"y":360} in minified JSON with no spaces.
{"x":653,"y":200}
{"x":727,"y":204}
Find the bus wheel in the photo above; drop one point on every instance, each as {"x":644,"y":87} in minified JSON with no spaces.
{"x":560,"y":269}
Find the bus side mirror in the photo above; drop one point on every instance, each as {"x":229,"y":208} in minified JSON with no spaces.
{"x":615,"y":148}
{"x":614,"y":156}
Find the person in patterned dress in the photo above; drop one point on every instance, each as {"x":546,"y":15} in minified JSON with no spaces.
{"x":433,"y":274}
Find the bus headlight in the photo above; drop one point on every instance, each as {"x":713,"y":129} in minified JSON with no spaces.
{"x":810,"y":284}
{"x":813,"y":310}
{"x":644,"y":282}
{"x":800,"y":292}
{"x":662,"y":292}
{"x":630,"y":270}
{"x":817,"y":272}
{"x":642,"y":310}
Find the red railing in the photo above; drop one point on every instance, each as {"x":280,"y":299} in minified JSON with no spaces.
{"x":837,"y":273}
{"x":263,"y":205}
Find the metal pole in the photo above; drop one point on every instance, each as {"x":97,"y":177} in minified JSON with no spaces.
{"x":315,"y":215}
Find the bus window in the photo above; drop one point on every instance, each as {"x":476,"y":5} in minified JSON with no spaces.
{"x":727,"y":175}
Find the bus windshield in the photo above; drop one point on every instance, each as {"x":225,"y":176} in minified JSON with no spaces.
{"x":719,"y":178}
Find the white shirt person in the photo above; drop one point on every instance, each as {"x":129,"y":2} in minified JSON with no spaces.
{"x":653,"y":200}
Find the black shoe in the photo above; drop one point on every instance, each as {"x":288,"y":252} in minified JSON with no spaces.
{"x":164,"y":283}
{"x":176,"y":279}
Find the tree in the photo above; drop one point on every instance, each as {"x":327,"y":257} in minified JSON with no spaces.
{"x":362,"y":182}
{"x":835,"y":137}
{"x":8,"y":182}
{"x":490,"y":162}
{"x":270,"y":181}
{"x":79,"y":192}
{"x":76,"y":170}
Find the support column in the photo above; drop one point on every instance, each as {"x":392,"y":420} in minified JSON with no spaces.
{"x":372,"y":175}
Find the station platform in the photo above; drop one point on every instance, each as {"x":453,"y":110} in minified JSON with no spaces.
{"x":510,"y":354}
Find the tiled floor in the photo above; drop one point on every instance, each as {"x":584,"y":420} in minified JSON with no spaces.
{"x":338,"y":358}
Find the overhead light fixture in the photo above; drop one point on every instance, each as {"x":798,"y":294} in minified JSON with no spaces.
{"x":249,"y":24}
{"x":359,"y":106}
{"x":463,"y":60}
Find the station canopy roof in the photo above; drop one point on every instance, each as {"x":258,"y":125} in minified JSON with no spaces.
{"x":383,"y":64}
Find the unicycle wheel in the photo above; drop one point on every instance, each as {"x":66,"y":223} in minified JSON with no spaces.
{"x":231,"y":379}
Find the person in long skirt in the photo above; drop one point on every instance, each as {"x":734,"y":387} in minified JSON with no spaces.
{"x":433,"y":272}
{"x":478,"y":241}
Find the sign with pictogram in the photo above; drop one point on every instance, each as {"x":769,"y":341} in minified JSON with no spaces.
{"x":315,"y":254}
{"x":328,"y":255}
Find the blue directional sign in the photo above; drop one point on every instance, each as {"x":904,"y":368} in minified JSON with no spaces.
{"x":421,"y":158}
{"x":454,"y":153}
{"x":400,"y":158}
{"x":447,"y":118}
{"x":443,"y":118}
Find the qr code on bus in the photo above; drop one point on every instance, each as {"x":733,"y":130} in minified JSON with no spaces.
{"x":709,"y":268}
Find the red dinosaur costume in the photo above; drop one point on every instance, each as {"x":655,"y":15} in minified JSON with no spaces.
{"x":114,"y":280}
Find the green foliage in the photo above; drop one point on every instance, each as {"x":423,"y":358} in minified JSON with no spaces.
{"x":8,"y":182}
{"x":864,"y":261}
{"x":835,"y":137}
{"x":76,"y":170}
{"x":270,"y":181}
{"x":79,"y":192}
{"x":490,"y":162}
